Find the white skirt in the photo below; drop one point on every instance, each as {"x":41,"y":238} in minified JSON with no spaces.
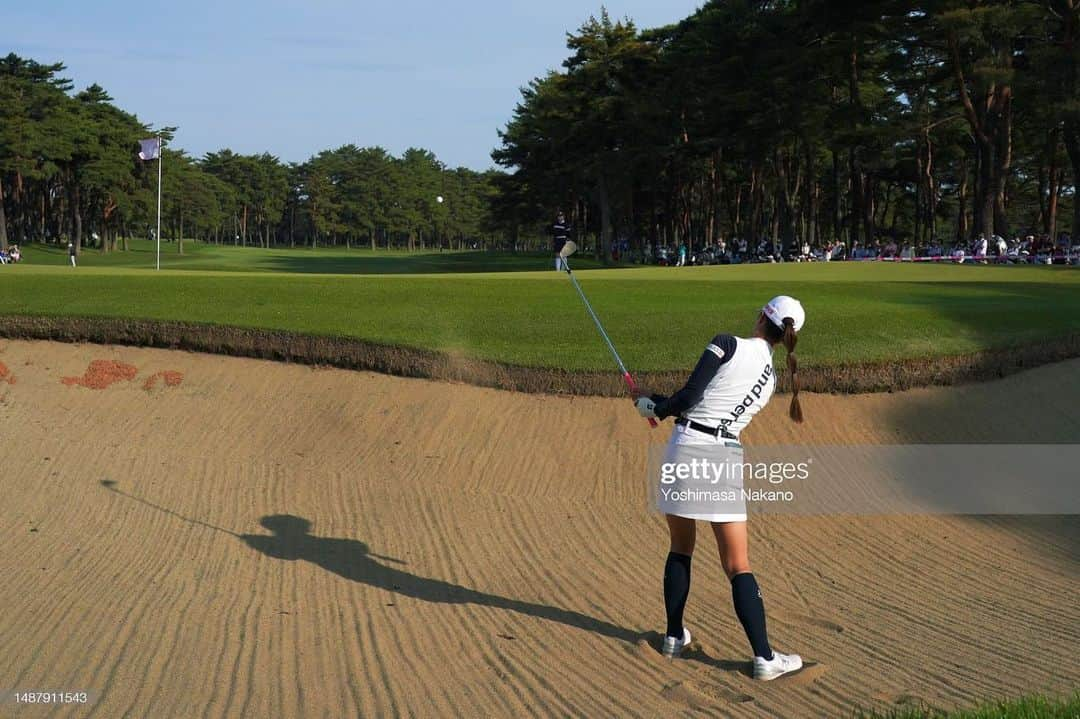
{"x":682,"y":439}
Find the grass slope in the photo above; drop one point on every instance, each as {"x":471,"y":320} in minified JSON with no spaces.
{"x":660,"y":318}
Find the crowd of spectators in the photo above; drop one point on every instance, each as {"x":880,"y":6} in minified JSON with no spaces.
{"x":1032,"y":249}
{"x":10,"y":255}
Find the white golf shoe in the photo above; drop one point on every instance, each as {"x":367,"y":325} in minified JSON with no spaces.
{"x":781,"y":664}
{"x":673,"y":646}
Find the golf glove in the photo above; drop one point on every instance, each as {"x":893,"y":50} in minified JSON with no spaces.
{"x":646,"y":407}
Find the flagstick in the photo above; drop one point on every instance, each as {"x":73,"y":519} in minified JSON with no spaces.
{"x":158,"y":235}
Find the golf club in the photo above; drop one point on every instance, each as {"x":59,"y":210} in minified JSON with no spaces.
{"x":568,"y":249}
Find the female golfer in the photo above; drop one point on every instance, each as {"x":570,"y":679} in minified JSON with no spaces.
{"x":733,"y":380}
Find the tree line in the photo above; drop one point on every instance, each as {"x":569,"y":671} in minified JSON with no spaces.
{"x":796,"y":120}
{"x":69,"y":171}
{"x":808,"y":120}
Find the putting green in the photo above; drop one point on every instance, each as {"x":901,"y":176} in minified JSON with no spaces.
{"x":659,"y":318}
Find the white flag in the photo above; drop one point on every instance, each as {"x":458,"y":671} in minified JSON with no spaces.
{"x":150,"y":148}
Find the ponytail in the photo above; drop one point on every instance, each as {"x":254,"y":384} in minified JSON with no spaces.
{"x":790,"y":340}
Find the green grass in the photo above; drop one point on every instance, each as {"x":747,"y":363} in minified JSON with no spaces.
{"x":660,"y":318}
{"x":1026,"y":708}
{"x":228,"y":258}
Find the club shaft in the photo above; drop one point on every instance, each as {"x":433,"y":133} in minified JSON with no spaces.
{"x":611,"y":346}
{"x":614,"y":352}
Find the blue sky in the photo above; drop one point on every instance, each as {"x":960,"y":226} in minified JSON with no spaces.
{"x":293,"y":78}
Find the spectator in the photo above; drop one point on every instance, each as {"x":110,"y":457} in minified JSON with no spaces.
{"x":980,"y":249}
{"x":763,"y":249}
{"x":71,"y":253}
{"x":995,"y":239}
{"x":1045,"y":250}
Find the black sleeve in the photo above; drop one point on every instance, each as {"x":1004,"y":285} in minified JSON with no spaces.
{"x":718,"y":352}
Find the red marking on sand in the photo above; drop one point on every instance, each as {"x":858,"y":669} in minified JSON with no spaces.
{"x":102,"y":373}
{"x":171,"y":377}
{"x":5,"y":374}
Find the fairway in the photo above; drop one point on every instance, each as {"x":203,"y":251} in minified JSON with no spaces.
{"x":142,"y":254}
{"x":659,"y":317}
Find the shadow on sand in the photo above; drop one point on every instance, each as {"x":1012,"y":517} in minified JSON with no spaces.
{"x":351,"y":559}
{"x":1019,"y":412}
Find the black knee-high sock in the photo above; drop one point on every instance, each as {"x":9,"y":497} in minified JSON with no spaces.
{"x":676,"y":590}
{"x":750,"y":609}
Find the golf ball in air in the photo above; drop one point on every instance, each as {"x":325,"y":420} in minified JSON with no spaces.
{"x":439,"y":199}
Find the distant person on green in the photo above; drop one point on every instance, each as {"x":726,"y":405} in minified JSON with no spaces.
{"x":71,"y":253}
{"x":560,"y":235}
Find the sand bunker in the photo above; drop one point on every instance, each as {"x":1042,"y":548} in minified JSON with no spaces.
{"x":277,"y":540}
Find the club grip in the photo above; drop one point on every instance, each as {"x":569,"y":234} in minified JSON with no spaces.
{"x":633,"y":388}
